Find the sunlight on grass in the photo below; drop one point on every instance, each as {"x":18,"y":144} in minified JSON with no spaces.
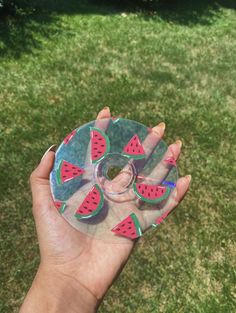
{"x":146,"y":69}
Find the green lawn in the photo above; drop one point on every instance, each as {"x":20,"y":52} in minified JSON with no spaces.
{"x":58,"y":67}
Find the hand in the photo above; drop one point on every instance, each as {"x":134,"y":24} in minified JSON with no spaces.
{"x":76,"y":270}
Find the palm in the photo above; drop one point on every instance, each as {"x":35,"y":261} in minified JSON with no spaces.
{"x":93,"y":262}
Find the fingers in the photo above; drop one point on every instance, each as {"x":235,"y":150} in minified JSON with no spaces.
{"x":153,"y":138}
{"x":162,"y":169}
{"x":150,"y":142}
{"x":102,"y":122}
{"x":182,"y":186}
{"x":39,"y":179}
{"x":104,"y":113}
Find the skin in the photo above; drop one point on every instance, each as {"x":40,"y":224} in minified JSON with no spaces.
{"x":73,"y":275}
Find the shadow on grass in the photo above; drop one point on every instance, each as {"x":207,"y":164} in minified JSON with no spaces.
{"x":35,"y":21}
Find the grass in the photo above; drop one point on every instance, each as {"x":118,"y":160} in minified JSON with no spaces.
{"x":58,"y":67}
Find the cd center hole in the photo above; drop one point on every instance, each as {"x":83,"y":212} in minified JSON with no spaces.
{"x":113,"y":171}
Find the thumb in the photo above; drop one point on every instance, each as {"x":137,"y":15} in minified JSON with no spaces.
{"x":39,"y":180}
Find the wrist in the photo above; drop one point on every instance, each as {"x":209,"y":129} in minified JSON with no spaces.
{"x":52,"y":291}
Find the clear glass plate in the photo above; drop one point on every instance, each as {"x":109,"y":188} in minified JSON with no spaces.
{"x":116,"y":199}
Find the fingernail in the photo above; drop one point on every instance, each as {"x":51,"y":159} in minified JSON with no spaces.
{"x":159,"y":127}
{"x":179,"y":143}
{"x":188,"y":177}
{"x":106,"y":108}
{"x":52,"y":148}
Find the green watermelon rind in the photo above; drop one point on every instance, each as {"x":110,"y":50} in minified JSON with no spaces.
{"x":80,"y":216}
{"x":115,"y":119}
{"x":137,"y":224}
{"x":166,"y":194}
{"x":134,"y":156}
{"x":58,"y":173}
{"x":62,"y":208}
{"x":107,"y":143}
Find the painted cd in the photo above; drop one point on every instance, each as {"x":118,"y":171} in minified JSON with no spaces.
{"x":112,"y":179}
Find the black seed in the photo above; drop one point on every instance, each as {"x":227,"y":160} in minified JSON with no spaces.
{"x":123,"y":225}
{"x":124,"y":231}
{"x":130,"y":227}
{"x":75,"y":173}
{"x":142,"y":192}
{"x":129,"y":222}
{"x":67,"y":171}
{"x":131,"y":145}
{"x":87,"y":201}
{"x":95,"y":203}
{"x":64,"y":176}
{"x":117,"y":228}
{"x":80,"y":211}
{"x":85,"y":207}
{"x":90,"y":210}
{"x":148,"y":194}
{"x":133,"y":234}
{"x":73,"y":167}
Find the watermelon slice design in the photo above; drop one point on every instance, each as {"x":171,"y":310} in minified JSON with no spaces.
{"x":161,"y":218}
{"x":61,"y":206}
{"x":69,"y":137}
{"x":91,"y":205}
{"x":134,"y":148}
{"x":171,"y":161}
{"x":115,"y":119}
{"x":100,"y":144}
{"x":151,"y":193}
{"x":129,"y":227}
{"x":67,"y":171}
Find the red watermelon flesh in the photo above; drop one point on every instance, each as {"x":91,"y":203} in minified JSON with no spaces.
{"x":129,"y":227}
{"x":69,"y":137}
{"x":134,"y":148}
{"x":100,"y":144}
{"x":151,"y":193}
{"x":67,"y":171}
{"x":61,"y":206}
{"x":160,"y":219}
{"x":171,"y":161}
{"x":92,"y":204}
{"x":115,"y":119}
